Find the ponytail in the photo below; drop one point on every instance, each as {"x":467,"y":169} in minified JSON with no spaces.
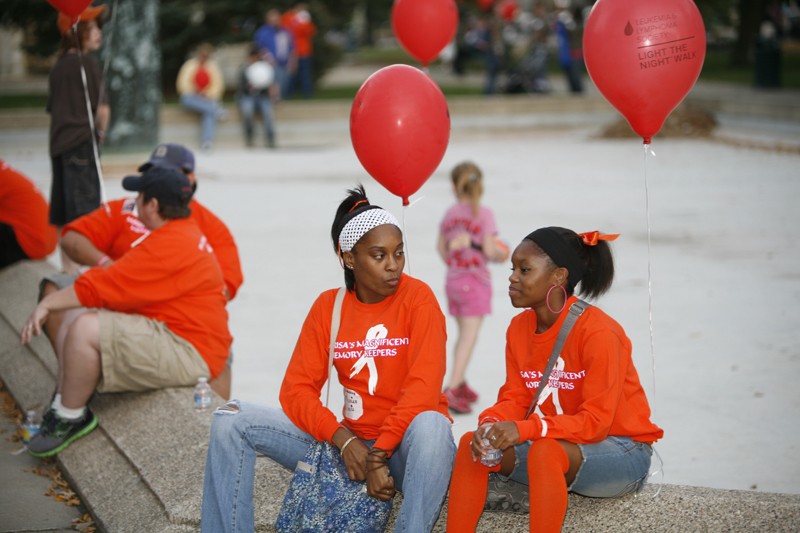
{"x":355,"y":202}
{"x":468,"y":181}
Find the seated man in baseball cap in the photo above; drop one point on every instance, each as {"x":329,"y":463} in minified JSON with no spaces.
{"x":155,"y":317}
{"x":107,"y":233}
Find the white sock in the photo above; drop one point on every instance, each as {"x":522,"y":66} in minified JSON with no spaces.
{"x":70,"y":414}
{"x":56,"y":401}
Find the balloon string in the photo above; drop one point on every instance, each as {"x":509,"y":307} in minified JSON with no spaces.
{"x":405,"y":233}
{"x":92,"y":128}
{"x":407,"y":247}
{"x":648,"y":149}
{"x":107,"y":38}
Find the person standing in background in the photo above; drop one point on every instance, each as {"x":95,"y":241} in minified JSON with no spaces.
{"x":278,"y":45}
{"x":201,"y":87}
{"x":257,"y":88}
{"x":76,"y":186}
{"x":298,"y":22}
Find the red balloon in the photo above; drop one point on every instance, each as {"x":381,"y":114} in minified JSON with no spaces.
{"x":644,"y":56}
{"x":508,"y":9}
{"x":485,"y":5}
{"x":400,"y":127}
{"x":424,"y":27}
{"x":71,"y":8}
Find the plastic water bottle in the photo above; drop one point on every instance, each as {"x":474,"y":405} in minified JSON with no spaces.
{"x":493,"y":455}
{"x":202,"y":394}
{"x":30,"y":427}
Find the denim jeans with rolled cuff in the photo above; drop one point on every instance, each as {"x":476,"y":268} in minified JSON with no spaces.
{"x":421,"y":465}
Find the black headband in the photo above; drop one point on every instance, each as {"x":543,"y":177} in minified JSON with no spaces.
{"x":560,"y":251}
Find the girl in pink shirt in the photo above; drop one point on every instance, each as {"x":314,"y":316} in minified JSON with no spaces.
{"x":467,"y":242}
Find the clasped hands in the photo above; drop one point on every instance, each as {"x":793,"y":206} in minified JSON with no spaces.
{"x":370,"y":465}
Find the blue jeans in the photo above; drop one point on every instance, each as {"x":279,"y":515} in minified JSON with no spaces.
{"x":248,"y":105}
{"x":303,"y":79}
{"x":210,"y":111}
{"x":421,"y":465}
{"x":611,"y":468}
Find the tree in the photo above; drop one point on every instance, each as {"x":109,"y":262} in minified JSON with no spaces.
{"x":183,"y":25}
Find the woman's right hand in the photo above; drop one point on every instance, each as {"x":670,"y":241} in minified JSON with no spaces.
{"x":355,"y":460}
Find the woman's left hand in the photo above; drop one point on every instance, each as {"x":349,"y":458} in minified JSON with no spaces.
{"x":380,"y":484}
{"x":503,"y":435}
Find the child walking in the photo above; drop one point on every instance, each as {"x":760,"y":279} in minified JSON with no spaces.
{"x":467,"y":242}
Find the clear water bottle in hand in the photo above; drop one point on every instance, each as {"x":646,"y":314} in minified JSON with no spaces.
{"x":493,"y":455}
{"x":202,"y":395}
{"x":30,"y":427}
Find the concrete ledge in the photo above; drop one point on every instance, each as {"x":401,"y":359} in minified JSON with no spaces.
{"x":142,"y":469}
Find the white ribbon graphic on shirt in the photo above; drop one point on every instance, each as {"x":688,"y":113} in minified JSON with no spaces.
{"x":374,"y":333}
{"x":548,"y":389}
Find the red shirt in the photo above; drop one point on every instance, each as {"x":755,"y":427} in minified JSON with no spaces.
{"x":395,"y":351}
{"x":115,"y":231}
{"x":303,"y":29}
{"x":172,"y":277}
{"x":201,"y":78}
{"x":594,"y":390}
{"x":24,"y":208}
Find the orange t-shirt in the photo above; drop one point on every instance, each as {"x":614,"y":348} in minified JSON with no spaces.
{"x":115,"y":231}
{"x":24,"y":208}
{"x":303,"y":30}
{"x":389,"y":357}
{"x":594,"y":390}
{"x":172,"y":277}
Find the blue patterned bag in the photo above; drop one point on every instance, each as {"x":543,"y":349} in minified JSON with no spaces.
{"x":323,"y":499}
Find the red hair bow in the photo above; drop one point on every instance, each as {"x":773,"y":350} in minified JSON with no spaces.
{"x":590,"y":238}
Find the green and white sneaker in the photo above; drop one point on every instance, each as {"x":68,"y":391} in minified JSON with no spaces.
{"x":56,"y":433}
{"x":510,"y":496}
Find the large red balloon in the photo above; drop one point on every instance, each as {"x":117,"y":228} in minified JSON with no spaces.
{"x":400,"y":127}
{"x":644,"y":56}
{"x":71,"y":8}
{"x":424,"y":27}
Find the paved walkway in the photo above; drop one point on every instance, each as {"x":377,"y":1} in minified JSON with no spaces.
{"x":24,"y":503}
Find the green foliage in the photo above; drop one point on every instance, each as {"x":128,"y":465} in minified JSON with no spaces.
{"x":37,"y":20}
{"x":184,"y":25}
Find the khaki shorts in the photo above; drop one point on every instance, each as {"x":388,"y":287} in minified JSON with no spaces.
{"x":139,"y":353}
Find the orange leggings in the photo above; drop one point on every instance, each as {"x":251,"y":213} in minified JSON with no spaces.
{"x":547,"y":464}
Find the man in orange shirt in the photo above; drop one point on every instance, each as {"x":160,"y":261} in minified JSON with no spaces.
{"x":298,"y":22}
{"x":106,"y":234}
{"x":158,"y":315}
{"x":24,"y":230}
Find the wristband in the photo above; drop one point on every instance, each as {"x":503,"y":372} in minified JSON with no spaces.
{"x":348,"y":441}
{"x":103,"y":261}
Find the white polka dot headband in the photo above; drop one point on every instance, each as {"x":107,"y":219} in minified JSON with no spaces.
{"x":360,"y":224}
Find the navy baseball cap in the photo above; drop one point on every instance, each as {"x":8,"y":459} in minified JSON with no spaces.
{"x":168,"y":185}
{"x":170,"y":155}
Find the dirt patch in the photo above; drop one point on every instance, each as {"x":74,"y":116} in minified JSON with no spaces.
{"x":686,"y":121}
